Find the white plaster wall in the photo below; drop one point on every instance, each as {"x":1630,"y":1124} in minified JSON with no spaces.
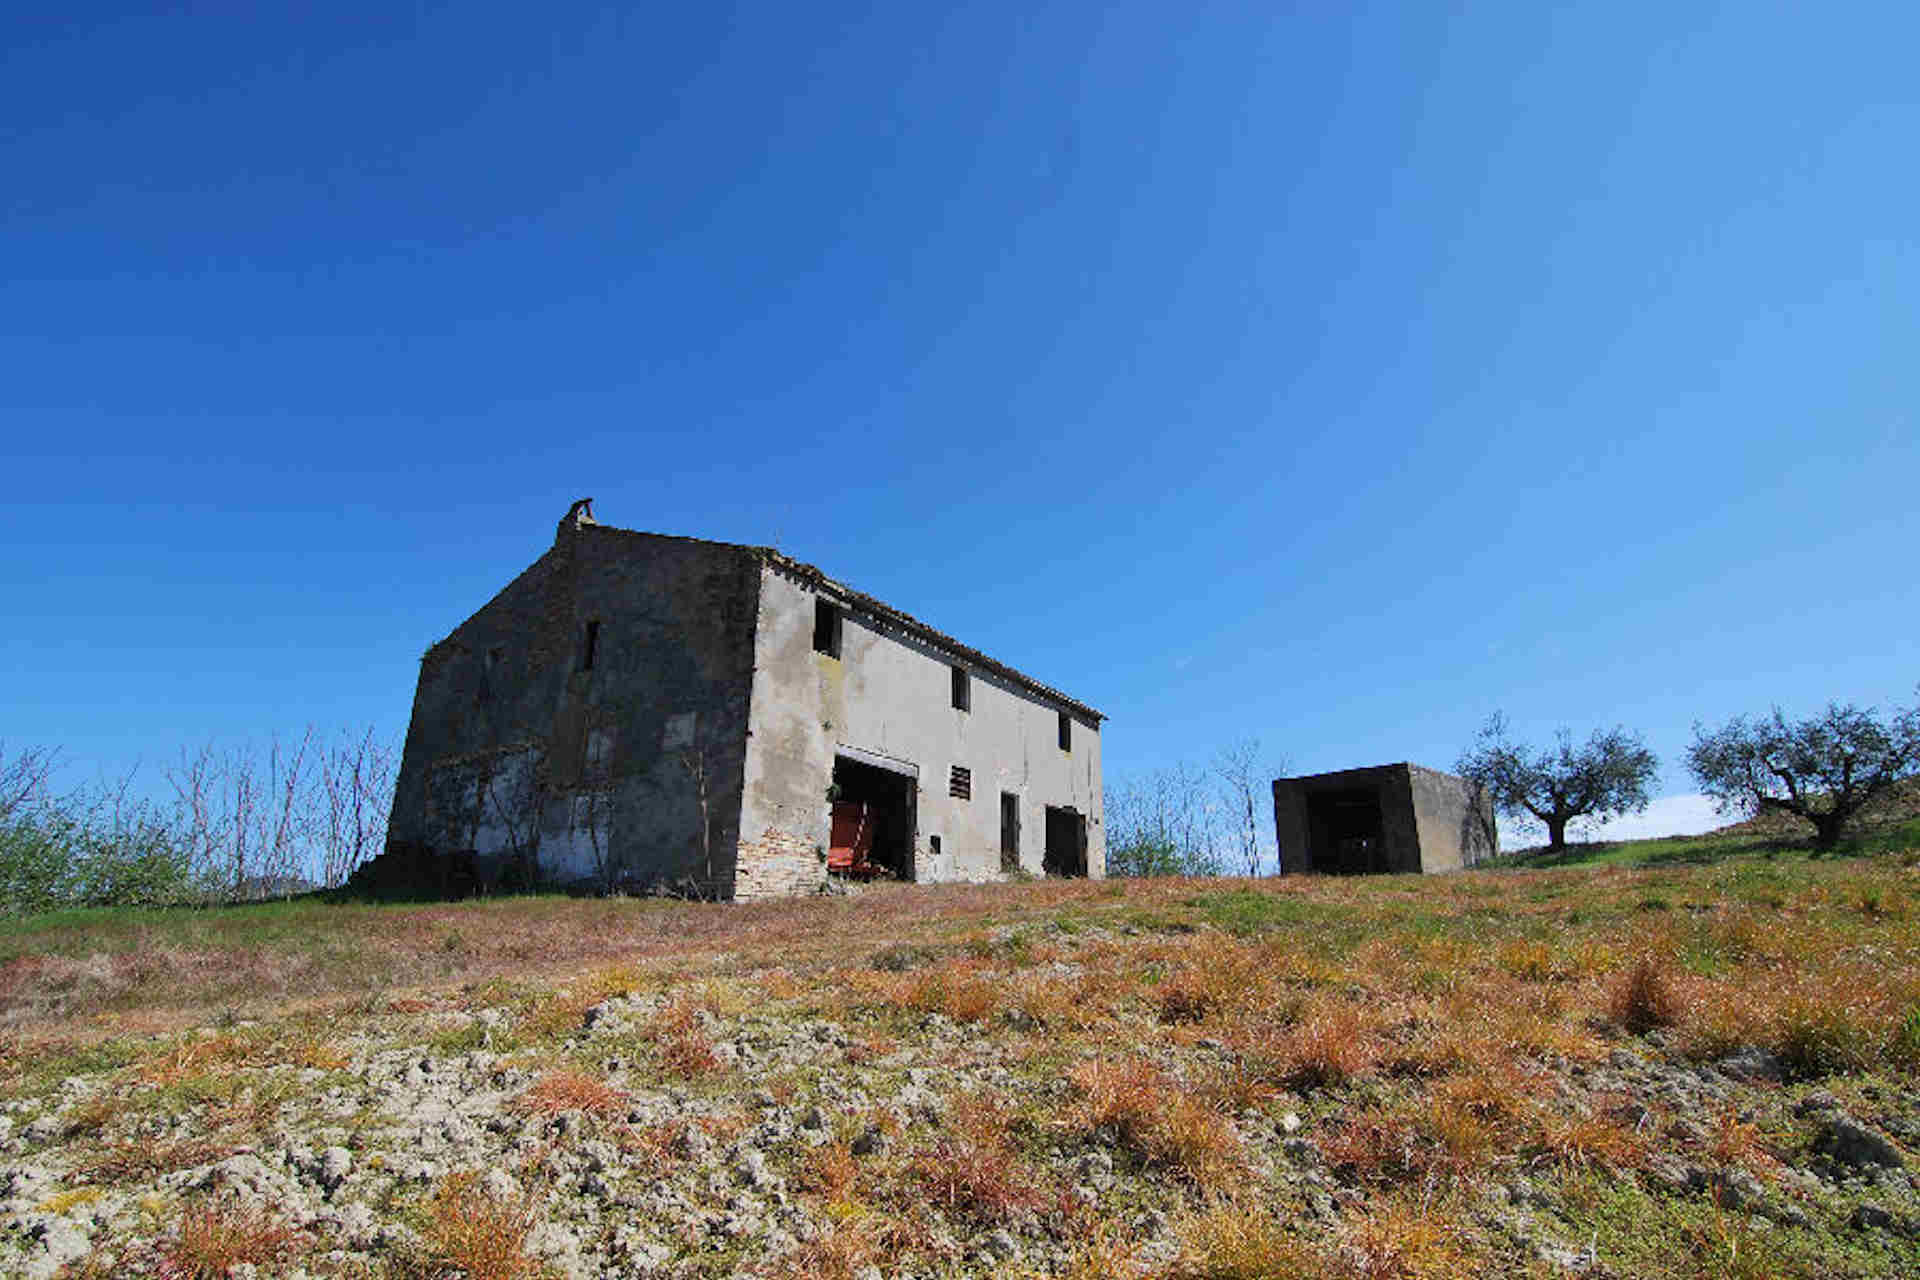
{"x":890,"y":693}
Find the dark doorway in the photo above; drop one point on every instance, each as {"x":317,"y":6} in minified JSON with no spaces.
{"x":889,"y":803}
{"x":1344,"y":832}
{"x":1009,"y":831}
{"x":1066,"y":853}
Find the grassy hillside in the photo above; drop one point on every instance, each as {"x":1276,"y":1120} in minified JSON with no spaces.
{"x":1889,"y":825}
{"x":1684,"y":1069}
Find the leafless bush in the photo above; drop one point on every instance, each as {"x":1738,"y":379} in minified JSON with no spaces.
{"x":23,"y":778}
{"x":355,"y":798}
{"x":1190,"y":820}
{"x":264,"y":821}
{"x":1243,"y":782}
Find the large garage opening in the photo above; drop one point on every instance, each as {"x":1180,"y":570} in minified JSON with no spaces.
{"x":1066,"y":852}
{"x":874,"y":813}
{"x":1345,"y":833}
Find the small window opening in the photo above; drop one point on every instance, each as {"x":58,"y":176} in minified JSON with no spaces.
{"x":826,"y":628}
{"x":590,"y":645}
{"x":960,"y":783}
{"x":962,"y":690}
{"x":1066,"y":732}
{"x":934,"y":843}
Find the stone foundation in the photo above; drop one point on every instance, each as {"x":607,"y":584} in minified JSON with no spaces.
{"x":778,"y":865}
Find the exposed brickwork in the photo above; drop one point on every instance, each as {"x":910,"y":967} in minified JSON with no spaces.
{"x":778,"y":865}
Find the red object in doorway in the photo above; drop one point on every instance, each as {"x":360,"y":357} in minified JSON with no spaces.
{"x":852,"y":841}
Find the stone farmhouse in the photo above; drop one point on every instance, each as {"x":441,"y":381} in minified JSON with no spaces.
{"x":641,"y":711}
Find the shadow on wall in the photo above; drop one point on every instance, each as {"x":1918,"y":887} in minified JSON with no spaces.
{"x":1479,"y":832}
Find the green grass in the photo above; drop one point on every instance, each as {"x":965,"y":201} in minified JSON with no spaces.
{"x":1710,"y":848}
{"x":1244,"y":912}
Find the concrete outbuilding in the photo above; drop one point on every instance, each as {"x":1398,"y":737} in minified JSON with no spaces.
{"x":640,"y":710}
{"x":1389,"y":818}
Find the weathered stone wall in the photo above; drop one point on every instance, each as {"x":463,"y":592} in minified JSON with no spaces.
{"x":521,"y":751}
{"x":889,"y":694}
{"x":1455,"y":819}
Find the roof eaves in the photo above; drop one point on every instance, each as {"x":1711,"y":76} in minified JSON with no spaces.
{"x":813,"y":575}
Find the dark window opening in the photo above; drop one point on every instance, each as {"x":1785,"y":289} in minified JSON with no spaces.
{"x":826,"y":628}
{"x":1066,"y":853}
{"x":1066,"y":732}
{"x":590,"y":645}
{"x":1009,"y":831}
{"x":962,"y":690}
{"x":1345,"y":834}
{"x":960,"y":783}
{"x":483,"y":690}
{"x":933,"y":843}
{"x":875,"y":818}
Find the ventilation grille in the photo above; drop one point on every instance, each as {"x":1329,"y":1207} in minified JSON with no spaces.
{"x":960,"y":783}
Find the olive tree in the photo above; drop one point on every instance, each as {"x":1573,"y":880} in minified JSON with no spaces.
{"x":1823,"y":770}
{"x":1606,"y":776}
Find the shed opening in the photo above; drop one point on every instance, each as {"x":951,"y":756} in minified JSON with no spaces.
{"x":1066,"y":852}
{"x":874,"y":819}
{"x":1344,"y":832}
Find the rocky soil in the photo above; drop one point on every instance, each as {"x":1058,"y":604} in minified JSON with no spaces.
{"x":1051,"y":1100}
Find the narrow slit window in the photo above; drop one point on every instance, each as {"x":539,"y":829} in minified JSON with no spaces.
{"x":589,"y":645}
{"x":962,"y":690}
{"x":1066,"y":732}
{"x":960,"y":783}
{"x":826,"y":628}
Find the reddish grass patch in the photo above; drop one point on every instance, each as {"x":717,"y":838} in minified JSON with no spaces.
{"x":1159,"y":1119}
{"x":1643,"y":998}
{"x":213,"y":1239}
{"x":476,"y":1236}
{"x":682,"y":1045}
{"x":561,"y":1091}
{"x":1330,"y":1046}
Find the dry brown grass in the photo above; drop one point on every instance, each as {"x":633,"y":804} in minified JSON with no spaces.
{"x":562,"y":1091}
{"x":1733,"y":1142}
{"x":982,"y":1180}
{"x":214,"y":1238}
{"x":1331,"y":1045}
{"x":681,"y":1044}
{"x":471,"y":1234}
{"x":1644,"y":998}
{"x":1395,"y":1240}
{"x":1161,"y":1120}
{"x":1376,"y":1148}
{"x":132,"y":1161}
{"x":974,"y":1169}
{"x":1580,"y":1142}
{"x":1229,"y":1241}
{"x":90,"y":1117}
{"x":198,"y":1056}
{"x":830,"y":1170}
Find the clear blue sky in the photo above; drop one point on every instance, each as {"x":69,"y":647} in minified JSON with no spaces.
{"x":1335,"y":374}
